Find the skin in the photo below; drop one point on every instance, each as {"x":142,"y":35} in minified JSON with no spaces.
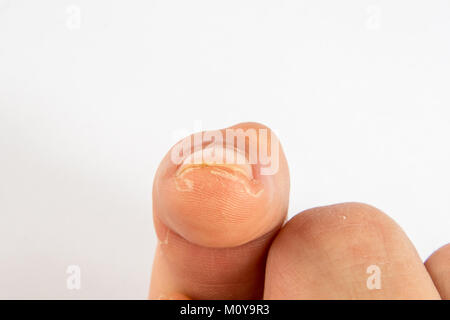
{"x":223,"y":234}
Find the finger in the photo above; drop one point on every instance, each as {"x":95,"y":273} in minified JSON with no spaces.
{"x":438,"y":266}
{"x":216,"y":219}
{"x":345,"y":251}
{"x":174,"y":296}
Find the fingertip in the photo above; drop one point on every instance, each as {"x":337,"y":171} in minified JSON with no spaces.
{"x":224,"y":203}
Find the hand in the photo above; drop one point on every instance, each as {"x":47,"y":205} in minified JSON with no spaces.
{"x":222,"y":235}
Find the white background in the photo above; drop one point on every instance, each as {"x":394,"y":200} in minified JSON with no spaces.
{"x":92,"y":94}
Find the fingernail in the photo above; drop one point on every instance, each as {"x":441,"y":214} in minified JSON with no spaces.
{"x":220,"y":157}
